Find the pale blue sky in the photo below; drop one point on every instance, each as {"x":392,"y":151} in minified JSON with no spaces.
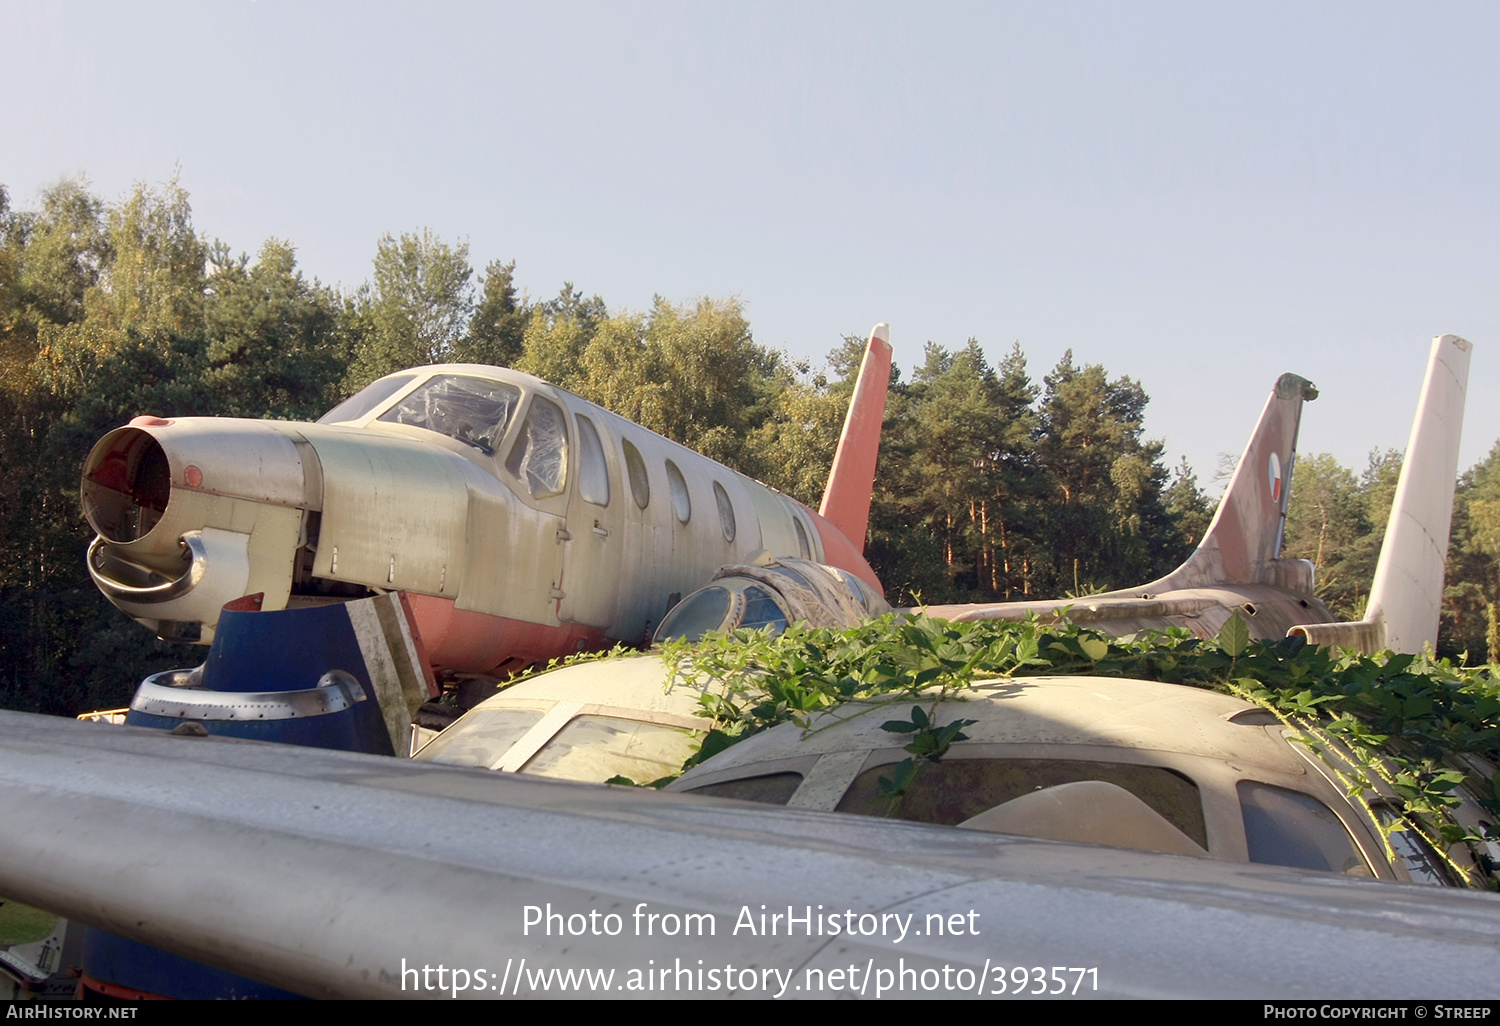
{"x":1200,"y":196}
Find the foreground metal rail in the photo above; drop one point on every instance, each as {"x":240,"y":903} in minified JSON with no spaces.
{"x":328,"y":873}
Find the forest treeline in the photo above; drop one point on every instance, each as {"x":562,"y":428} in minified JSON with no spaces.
{"x":991,"y":484}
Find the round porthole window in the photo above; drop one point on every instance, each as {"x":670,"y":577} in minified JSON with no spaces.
{"x":635,"y":468}
{"x":681,"y":504}
{"x":726,"y":511}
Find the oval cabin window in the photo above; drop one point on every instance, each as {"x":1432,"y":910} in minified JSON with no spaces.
{"x":803,"y":545}
{"x":681,"y":504}
{"x":640,"y":483}
{"x":593,"y":472}
{"x":726,"y":511}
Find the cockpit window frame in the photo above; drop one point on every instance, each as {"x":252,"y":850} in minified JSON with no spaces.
{"x":372,"y":412}
{"x":476,"y":441}
{"x":518,"y":451}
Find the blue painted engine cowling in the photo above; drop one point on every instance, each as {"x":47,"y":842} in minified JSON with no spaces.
{"x":295,"y":677}
{"x":292,"y":676}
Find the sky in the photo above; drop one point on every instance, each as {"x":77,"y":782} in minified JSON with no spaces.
{"x":1197,"y":196}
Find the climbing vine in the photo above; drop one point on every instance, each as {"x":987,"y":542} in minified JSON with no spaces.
{"x":1414,"y":727}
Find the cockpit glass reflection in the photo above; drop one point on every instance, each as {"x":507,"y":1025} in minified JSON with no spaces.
{"x":366,"y":399}
{"x":471,"y":410}
{"x":695,"y":616}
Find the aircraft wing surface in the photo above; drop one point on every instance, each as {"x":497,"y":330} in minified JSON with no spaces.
{"x":343,"y":875}
{"x":1268,"y":611}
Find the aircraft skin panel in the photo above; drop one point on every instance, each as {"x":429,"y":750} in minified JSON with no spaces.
{"x":512,"y":558}
{"x":465,"y":641}
{"x":592,"y":551}
{"x":393,"y":514}
{"x":1268,"y":611}
{"x":321,"y":871}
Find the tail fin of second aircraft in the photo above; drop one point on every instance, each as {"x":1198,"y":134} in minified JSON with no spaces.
{"x":1406,"y":597}
{"x":1243,"y":541}
{"x":851,"y":482}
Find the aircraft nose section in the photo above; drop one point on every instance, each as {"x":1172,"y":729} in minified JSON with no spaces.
{"x":194,"y":513}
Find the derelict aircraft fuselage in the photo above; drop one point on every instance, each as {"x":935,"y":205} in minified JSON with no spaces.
{"x":520,"y":521}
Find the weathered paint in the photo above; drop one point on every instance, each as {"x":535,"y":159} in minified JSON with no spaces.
{"x":1234,"y":568}
{"x":497,"y":577}
{"x":846,"y":500}
{"x":1406,"y":595}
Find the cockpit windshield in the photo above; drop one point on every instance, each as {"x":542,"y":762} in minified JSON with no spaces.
{"x":474,"y":411}
{"x":366,"y":399}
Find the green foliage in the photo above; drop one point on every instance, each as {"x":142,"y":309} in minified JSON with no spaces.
{"x":270,"y":338}
{"x":420,"y":307}
{"x":1385,"y":723}
{"x":497,"y":331}
{"x":22,"y":924}
{"x":930,"y":743}
{"x":1336,"y":521}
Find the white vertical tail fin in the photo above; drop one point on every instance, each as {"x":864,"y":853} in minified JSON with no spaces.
{"x":1406,"y":597}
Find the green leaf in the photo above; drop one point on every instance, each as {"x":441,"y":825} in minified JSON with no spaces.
{"x":1234,"y":636}
{"x":1095,"y":648}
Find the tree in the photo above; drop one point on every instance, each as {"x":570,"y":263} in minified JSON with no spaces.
{"x":420,"y":307}
{"x":694,"y":374}
{"x":1328,"y":523}
{"x":497,"y":331}
{"x":272,"y":346}
{"x":1471,"y":598}
{"x":556,"y":336}
{"x":1107,"y":525}
{"x":1188,"y":504}
{"x":102,"y":315}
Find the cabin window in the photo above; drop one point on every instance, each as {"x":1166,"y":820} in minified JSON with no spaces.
{"x":635,"y":467}
{"x":470,"y":410}
{"x":761,"y":611}
{"x":772,"y":789}
{"x":681,"y":504}
{"x":602,"y":747}
{"x":701,"y":612}
{"x":366,"y":399}
{"x":958,"y":789}
{"x":540,"y":455}
{"x":1288,"y":828}
{"x":726,"y":511}
{"x":802,"y":543}
{"x":481,"y":738}
{"x":593,"y":472}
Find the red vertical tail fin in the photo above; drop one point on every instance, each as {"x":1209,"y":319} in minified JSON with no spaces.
{"x":851,"y":482}
{"x":1243,"y":542}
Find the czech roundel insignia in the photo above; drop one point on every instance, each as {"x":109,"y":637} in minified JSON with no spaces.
{"x":1273,"y":476}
